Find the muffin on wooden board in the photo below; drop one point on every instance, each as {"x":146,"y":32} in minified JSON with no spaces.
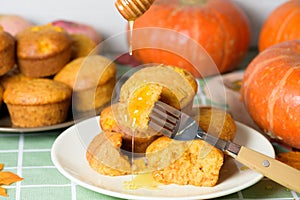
{"x":7,"y":52}
{"x":37,"y":102}
{"x":92,"y":79}
{"x":43,"y":50}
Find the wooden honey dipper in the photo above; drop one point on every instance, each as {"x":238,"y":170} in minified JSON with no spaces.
{"x":132,"y":9}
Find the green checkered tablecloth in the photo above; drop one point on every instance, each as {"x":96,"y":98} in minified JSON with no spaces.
{"x":29,"y":155}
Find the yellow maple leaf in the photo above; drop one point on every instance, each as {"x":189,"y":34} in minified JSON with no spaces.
{"x":7,"y":178}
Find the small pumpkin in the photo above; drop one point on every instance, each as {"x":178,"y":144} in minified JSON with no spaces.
{"x":271,"y":91}
{"x":219,"y":26}
{"x":281,"y":25}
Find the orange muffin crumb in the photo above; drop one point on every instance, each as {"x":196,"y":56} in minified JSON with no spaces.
{"x":185,"y":163}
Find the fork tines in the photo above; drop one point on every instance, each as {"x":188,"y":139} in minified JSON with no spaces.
{"x":165,"y":119}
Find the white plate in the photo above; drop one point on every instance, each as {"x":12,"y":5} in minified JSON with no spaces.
{"x":68,"y":155}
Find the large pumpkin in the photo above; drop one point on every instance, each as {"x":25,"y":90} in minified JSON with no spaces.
{"x":281,"y":25}
{"x":220,"y":26}
{"x":271,"y":91}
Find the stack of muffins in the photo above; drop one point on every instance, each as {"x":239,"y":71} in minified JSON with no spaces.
{"x":42,"y":66}
{"x":128,"y":145}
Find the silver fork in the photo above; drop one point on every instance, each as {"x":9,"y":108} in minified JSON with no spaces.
{"x":180,"y":126}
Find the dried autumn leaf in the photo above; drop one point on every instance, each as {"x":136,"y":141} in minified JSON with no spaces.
{"x":7,"y":178}
{"x":3,"y":192}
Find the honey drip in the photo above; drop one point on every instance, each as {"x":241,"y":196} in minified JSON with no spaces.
{"x":131,"y":10}
{"x":139,"y":179}
{"x":130,"y":184}
{"x":132,"y":147}
{"x":144,"y":180}
{"x":131,"y":23}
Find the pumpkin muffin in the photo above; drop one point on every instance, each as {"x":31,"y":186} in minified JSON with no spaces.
{"x":172,"y":85}
{"x":200,"y":159}
{"x":92,"y":79}
{"x":108,"y":122}
{"x":37,"y":102}
{"x":138,"y":95}
{"x":82,"y":46}
{"x":105,"y":156}
{"x":43,"y":50}
{"x":180,"y":162}
{"x":7,"y":52}
{"x":216,"y":121}
{"x":13,"y":76}
{"x":185,"y":163}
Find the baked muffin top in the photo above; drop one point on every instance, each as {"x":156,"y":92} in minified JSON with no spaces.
{"x":179,"y":85}
{"x":216,"y":121}
{"x":37,"y":92}
{"x":87,"y":72}
{"x":6,"y":40}
{"x":42,"y":41}
{"x":13,"y":76}
{"x":82,"y":46}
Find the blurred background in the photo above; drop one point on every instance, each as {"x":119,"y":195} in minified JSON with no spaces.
{"x":103,"y":15}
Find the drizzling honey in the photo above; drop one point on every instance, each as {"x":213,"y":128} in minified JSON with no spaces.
{"x":131,"y":23}
{"x":145,"y":181}
{"x":141,"y":102}
{"x":141,"y":180}
{"x":132,"y":146}
{"x":131,"y":10}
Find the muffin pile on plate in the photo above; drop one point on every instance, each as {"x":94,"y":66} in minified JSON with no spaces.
{"x":42,"y":66}
{"x":127,"y":145}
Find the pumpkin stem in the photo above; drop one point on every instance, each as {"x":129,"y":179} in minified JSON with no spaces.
{"x":192,"y":2}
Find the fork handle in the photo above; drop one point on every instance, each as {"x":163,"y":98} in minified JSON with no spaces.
{"x":271,"y":168}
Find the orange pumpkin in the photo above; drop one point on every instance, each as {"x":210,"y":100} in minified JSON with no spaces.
{"x":271,"y":91}
{"x":219,"y":26}
{"x":281,"y":25}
